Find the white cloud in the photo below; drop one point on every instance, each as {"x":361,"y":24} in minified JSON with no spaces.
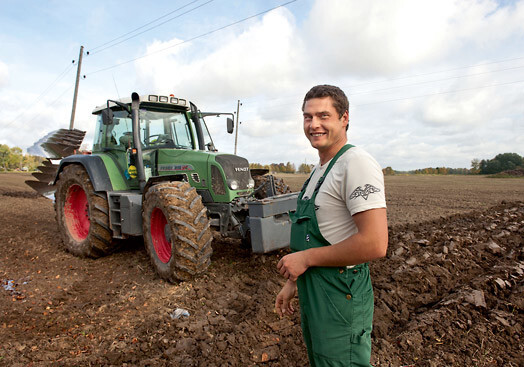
{"x":260,"y":60}
{"x":385,"y":37}
{"x":4,"y":74}
{"x":404,"y":64}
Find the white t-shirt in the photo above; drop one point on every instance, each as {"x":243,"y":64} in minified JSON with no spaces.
{"x":354,"y":184}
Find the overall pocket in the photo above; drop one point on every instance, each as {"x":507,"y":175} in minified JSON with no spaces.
{"x":300,"y":223}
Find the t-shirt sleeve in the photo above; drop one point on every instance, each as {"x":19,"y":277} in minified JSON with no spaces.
{"x":365,"y":184}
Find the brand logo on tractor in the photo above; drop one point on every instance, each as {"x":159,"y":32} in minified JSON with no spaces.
{"x":241,"y":169}
{"x":175,"y":167}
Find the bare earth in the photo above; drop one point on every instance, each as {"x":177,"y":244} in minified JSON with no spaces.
{"x":449,"y":293}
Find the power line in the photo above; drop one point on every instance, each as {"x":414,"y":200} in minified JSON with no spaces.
{"x":407,"y":77}
{"x":53,"y":102}
{"x":439,"y":71}
{"x":90,"y":52}
{"x":193,"y":38}
{"x":350,"y":94}
{"x":436,"y":80}
{"x":445,"y":92}
{"x":414,"y":97}
{"x":41,"y":95}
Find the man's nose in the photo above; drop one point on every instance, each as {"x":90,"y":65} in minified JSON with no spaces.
{"x":315,"y":122}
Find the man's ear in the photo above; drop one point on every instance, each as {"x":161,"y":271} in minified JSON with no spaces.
{"x":345,"y":118}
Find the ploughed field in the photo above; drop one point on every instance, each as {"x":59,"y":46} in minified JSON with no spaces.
{"x":449,"y":293}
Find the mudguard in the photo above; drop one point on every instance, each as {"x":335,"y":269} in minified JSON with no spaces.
{"x":95,"y":167}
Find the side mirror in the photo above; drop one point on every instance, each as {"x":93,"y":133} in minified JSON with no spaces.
{"x":107,"y":116}
{"x":230,"y":125}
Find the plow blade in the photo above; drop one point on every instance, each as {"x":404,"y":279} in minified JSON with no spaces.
{"x":55,"y":145}
{"x":42,"y":188}
{"x":47,"y":169}
{"x":44,"y":177}
{"x":58,"y":144}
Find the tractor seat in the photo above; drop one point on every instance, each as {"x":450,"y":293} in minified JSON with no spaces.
{"x":126,"y":140}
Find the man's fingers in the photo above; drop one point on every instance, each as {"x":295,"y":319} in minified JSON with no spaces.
{"x":278,"y":307}
{"x":279,"y":265}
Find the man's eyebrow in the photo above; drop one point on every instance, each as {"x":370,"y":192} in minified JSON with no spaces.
{"x":316,"y":113}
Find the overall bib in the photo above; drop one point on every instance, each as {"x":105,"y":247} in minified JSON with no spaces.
{"x":336,"y":303}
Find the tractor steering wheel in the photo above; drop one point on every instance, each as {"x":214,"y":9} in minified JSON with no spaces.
{"x":161,"y":138}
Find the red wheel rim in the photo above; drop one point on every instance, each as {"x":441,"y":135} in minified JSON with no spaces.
{"x":76,"y":213}
{"x":158,"y":235}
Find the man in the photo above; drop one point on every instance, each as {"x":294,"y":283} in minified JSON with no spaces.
{"x":340,"y":224}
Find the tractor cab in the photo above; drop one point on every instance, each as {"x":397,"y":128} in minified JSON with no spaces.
{"x":160,"y":127}
{"x":172,"y":140}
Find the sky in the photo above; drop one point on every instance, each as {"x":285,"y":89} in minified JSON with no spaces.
{"x":431,"y":83}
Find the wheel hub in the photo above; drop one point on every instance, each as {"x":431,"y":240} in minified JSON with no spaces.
{"x":161,"y":235}
{"x":76,"y":213}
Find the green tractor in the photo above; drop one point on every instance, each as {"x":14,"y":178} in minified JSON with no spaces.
{"x":155,"y":172}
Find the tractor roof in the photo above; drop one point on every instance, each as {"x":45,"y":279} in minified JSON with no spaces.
{"x":151,"y":99}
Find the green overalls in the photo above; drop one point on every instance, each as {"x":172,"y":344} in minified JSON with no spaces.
{"x":336,"y":303}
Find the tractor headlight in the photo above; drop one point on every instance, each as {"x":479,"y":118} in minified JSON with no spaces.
{"x":251,"y":184}
{"x":233,"y":184}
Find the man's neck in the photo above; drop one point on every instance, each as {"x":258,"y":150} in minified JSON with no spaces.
{"x":327,"y":155}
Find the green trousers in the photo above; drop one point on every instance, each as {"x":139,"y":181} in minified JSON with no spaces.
{"x":336,"y":304}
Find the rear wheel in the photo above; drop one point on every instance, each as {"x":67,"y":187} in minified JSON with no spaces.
{"x":82,"y":214}
{"x":176,"y":231}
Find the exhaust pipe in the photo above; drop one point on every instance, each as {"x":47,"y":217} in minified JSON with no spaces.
{"x":135,"y":104}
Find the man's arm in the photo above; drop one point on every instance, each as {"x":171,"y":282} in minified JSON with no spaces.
{"x":369,"y":243}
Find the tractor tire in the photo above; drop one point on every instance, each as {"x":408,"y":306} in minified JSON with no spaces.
{"x":176,"y":231}
{"x":280,"y":186}
{"x":82,"y":214}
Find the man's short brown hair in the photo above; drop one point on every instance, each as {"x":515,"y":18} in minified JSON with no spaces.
{"x":340,"y":101}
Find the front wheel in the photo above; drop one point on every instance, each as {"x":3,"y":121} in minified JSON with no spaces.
{"x":82,"y":214}
{"x":176,"y":231}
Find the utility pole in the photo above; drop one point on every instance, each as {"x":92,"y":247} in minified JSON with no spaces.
{"x":236,"y":130}
{"x":71,"y":124}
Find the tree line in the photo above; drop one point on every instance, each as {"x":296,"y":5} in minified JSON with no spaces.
{"x":13,"y":159}
{"x":283,"y":167}
{"x":500,"y":163}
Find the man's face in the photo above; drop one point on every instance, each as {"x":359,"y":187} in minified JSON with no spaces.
{"x":322,"y":125}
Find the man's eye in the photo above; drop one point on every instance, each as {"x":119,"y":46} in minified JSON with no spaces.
{"x":324,"y":116}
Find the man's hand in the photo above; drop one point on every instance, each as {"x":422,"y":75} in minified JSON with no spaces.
{"x":293,"y":265}
{"x":283,"y":303}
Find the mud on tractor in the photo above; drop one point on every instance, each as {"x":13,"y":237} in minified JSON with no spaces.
{"x":155,"y":172}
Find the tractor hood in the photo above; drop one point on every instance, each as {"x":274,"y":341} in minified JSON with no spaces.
{"x":236,"y":168}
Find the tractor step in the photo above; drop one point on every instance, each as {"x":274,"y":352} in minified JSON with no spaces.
{"x":126,"y":213}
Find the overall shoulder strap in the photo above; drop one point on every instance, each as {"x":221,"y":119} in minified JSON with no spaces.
{"x":303,"y":189}
{"x":333,"y":161}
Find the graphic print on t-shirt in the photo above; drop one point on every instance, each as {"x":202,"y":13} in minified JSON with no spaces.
{"x":368,"y":189}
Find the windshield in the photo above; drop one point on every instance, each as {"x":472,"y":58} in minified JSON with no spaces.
{"x":157,"y":130}
{"x":168,"y":129}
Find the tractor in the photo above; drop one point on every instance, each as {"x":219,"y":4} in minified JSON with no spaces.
{"x":154,"y":172}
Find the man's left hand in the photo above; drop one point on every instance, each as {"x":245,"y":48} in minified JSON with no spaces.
{"x":293,"y":265}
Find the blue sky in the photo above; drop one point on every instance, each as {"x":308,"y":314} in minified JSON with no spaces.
{"x":430,"y":83}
